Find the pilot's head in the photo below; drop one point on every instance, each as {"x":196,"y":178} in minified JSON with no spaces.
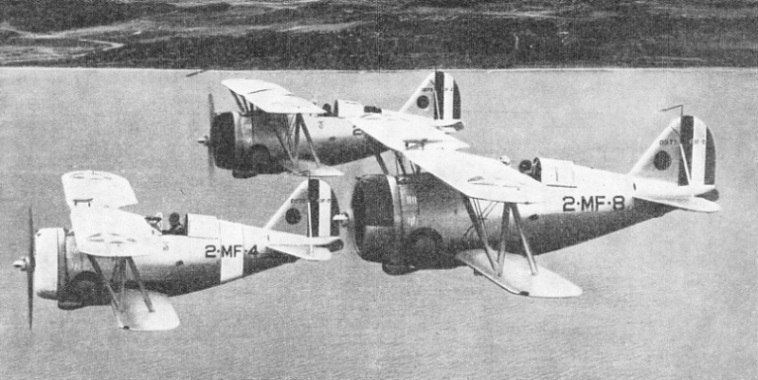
{"x":525,"y":166}
{"x":173,"y":218}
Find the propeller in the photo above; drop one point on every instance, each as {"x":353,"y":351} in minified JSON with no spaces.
{"x":27,"y":264}
{"x":207,"y":139}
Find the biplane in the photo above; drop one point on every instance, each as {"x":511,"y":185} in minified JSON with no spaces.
{"x":112,"y":256}
{"x":274,"y":131}
{"x":445,"y":207}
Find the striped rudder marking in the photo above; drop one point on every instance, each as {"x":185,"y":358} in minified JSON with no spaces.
{"x":684,"y":153}
{"x":438,"y":97}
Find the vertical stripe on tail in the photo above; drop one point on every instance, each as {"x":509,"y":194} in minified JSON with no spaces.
{"x":698,"y":167}
{"x":313,"y":197}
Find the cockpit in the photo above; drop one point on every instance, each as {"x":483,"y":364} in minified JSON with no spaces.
{"x":174,"y":225}
{"x":549,"y":171}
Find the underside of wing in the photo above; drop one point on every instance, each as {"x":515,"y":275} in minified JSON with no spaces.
{"x":479,"y":177}
{"x":107,"y":232}
{"x":517,"y":277}
{"x":97,"y":189}
{"x":401,"y":133}
{"x":135,"y":315}
{"x":270,"y":97}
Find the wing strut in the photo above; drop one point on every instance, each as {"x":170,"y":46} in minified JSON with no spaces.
{"x":99,"y":271}
{"x":477,"y":218}
{"x":511,"y":271}
{"x":308,"y":138}
{"x":524,"y":241}
{"x":119,"y":277}
{"x":137,"y":277}
{"x":289,"y":140}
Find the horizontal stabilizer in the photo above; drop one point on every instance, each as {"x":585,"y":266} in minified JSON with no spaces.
{"x":686,"y":203}
{"x":310,"y":253}
{"x":310,"y":169}
{"x":518,"y":279}
{"x":316,"y":248}
{"x":135,"y":315}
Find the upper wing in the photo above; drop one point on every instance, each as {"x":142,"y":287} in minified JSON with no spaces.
{"x":270,"y":97}
{"x":436,"y":152}
{"x":97,"y":189}
{"x":401,"y":133}
{"x":479,"y":177}
{"x":109,"y":232}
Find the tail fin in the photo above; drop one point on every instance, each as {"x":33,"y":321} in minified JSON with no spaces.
{"x":684,"y":154}
{"x":437,"y":97}
{"x":682,"y":163}
{"x":309,"y":211}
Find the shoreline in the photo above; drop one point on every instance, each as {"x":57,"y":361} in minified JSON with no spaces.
{"x":420,"y":69}
{"x":358,"y":35}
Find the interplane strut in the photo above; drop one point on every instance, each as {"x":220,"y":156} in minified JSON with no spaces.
{"x":497,"y":259}
{"x":119,"y":277}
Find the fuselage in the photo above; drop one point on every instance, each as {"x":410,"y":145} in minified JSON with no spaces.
{"x":258,"y":140}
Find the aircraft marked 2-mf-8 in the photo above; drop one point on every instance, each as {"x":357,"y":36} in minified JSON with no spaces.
{"x":112,"y":256}
{"x":446,"y":207}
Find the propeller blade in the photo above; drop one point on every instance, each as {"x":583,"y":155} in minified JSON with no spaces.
{"x":30,"y":269}
{"x":207,"y":140}
{"x":210,"y":143}
{"x":211,"y":108}
{"x":211,"y":161}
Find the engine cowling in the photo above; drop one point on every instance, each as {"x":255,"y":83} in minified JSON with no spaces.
{"x":406,"y":223}
{"x":64,"y":274}
{"x":234,"y":145}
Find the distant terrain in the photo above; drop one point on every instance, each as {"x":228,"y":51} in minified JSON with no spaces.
{"x":378,"y":35}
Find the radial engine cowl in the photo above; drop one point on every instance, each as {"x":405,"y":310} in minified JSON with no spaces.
{"x":234,"y":147}
{"x":373,"y":217}
{"x":403,"y":221}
